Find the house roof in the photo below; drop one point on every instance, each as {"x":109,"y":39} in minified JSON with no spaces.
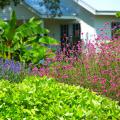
{"x":100,"y":7}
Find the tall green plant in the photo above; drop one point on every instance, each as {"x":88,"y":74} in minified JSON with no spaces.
{"x":19,"y":42}
{"x":117,"y":31}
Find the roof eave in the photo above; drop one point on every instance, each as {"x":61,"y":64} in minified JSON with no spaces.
{"x":105,"y":13}
{"x":30,"y":8}
{"x":86,"y":6}
{"x":94,"y":11}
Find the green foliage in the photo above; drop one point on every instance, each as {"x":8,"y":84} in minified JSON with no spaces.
{"x":52,"y":6}
{"x":44,"y":99}
{"x":117,"y":31}
{"x":7,"y":2}
{"x":22,"y":42}
{"x":118,"y":14}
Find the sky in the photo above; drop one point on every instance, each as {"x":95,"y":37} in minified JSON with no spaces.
{"x":111,"y":5}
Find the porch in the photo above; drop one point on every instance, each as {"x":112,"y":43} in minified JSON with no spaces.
{"x":59,"y":27}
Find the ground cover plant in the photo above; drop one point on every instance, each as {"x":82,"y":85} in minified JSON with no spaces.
{"x":45,"y":99}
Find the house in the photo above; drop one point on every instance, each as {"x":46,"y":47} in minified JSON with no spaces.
{"x":84,"y":18}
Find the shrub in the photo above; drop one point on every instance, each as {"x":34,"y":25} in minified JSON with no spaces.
{"x":45,"y":99}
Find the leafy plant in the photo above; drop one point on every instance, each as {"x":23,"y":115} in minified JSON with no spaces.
{"x":118,"y":14}
{"x":24,"y":42}
{"x":41,"y":98}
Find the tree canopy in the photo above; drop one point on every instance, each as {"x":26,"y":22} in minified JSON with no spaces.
{"x":7,"y":2}
{"x":53,"y":6}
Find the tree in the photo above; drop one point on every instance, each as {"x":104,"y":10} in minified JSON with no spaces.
{"x":52,"y":6}
{"x":7,"y":2}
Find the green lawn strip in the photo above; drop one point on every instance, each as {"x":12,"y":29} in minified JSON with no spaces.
{"x":45,"y":99}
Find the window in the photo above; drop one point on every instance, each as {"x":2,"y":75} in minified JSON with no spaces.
{"x":64,"y":30}
{"x":76,"y":32}
{"x":115,"y":26}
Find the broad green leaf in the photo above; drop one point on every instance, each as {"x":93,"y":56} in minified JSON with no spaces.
{"x":48,"y":40}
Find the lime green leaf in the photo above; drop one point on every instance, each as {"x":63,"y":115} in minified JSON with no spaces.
{"x":48,"y":40}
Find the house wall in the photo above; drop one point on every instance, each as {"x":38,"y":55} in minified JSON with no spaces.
{"x":100,"y":23}
{"x":21,"y":12}
{"x":90,"y":23}
{"x":86,"y":19}
{"x":54,"y":27}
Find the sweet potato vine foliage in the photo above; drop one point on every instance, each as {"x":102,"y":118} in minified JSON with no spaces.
{"x":45,"y":99}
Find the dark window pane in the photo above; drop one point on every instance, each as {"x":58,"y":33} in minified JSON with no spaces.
{"x":115,"y":27}
{"x":76,"y":32}
{"x":64,"y":30}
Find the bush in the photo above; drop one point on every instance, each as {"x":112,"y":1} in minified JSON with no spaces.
{"x":45,"y":99}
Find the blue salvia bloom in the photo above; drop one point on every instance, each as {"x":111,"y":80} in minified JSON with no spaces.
{"x":1,"y":61}
{"x":1,"y":66}
{"x":5,"y":66}
{"x":11,"y":70}
{"x":18,"y":67}
{"x":12,"y":66}
{"x":7,"y":61}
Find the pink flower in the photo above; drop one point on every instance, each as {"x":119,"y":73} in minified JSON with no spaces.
{"x":103,"y":87}
{"x":106,"y":23}
{"x":65,"y":76}
{"x":82,"y":33}
{"x":95,"y":79}
{"x":35,"y":69}
{"x":103,"y":81}
{"x":104,"y":91}
{"x":113,"y":85}
{"x":67,"y":67}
